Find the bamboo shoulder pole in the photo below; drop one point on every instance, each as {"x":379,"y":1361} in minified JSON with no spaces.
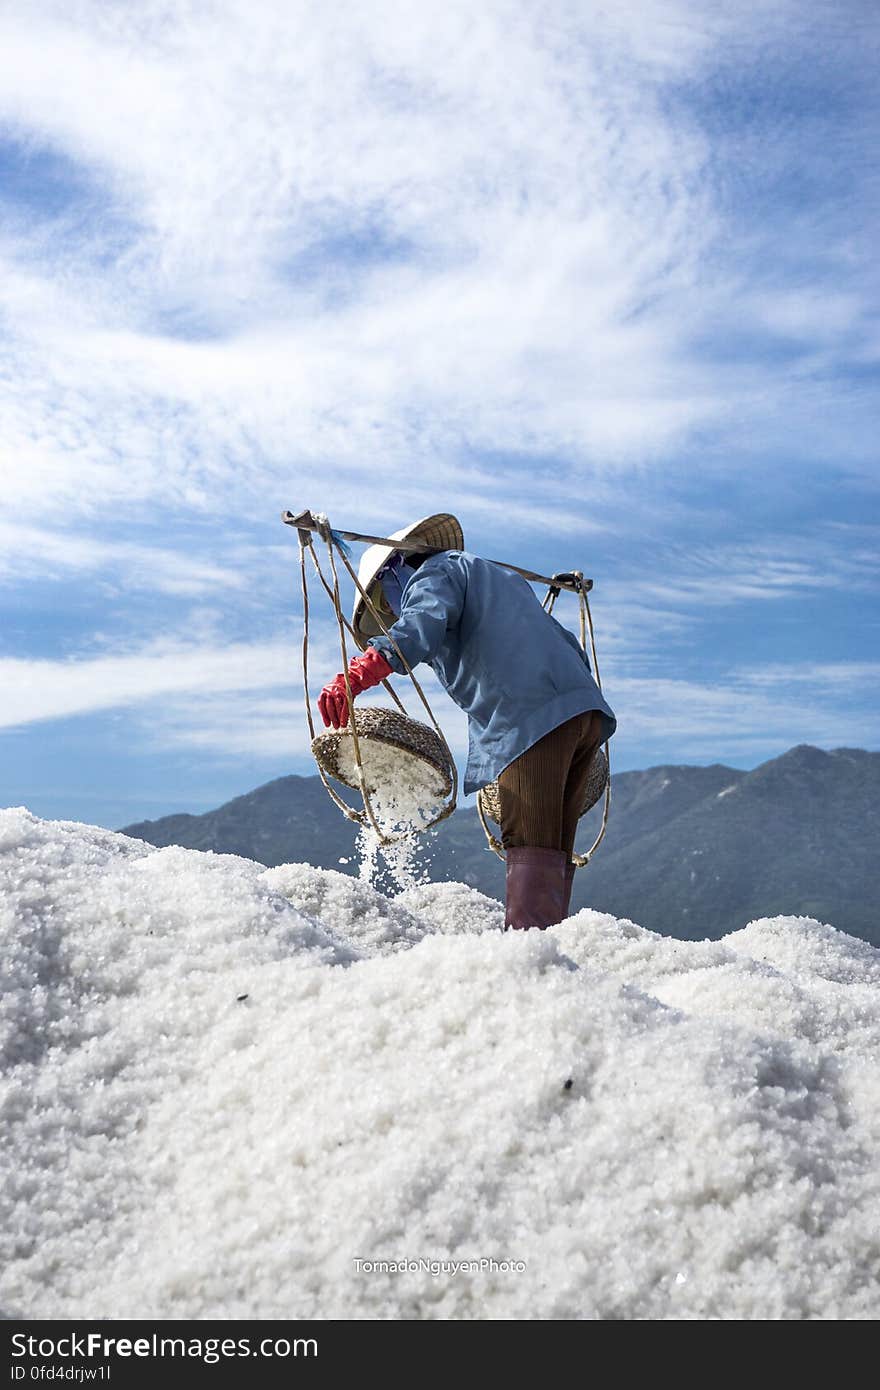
{"x":305,"y":521}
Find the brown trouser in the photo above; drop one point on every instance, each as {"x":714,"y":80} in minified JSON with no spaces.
{"x":542,"y":791}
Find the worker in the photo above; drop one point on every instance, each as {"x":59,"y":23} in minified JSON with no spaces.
{"x":536,"y":716}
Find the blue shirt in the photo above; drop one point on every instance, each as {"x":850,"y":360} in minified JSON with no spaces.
{"x":515,"y":671}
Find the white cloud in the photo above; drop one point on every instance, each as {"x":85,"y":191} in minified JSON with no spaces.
{"x":246,"y":699}
{"x":279,"y":116}
{"x":269,"y":727}
{"x":514,"y":317}
{"x":28,"y":552}
{"x":746,"y":714}
{"x":36,"y":690}
{"x":751,"y":712}
{"x":419,"y":233}
{"x":777,"y":567}
{"x":325,"y":262}
{"x":860,"y":677}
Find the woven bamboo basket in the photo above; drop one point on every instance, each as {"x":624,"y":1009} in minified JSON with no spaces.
{"x":596,"y":784}
{"x":390,"y":727}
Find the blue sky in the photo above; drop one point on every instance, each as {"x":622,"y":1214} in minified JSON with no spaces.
{"x":599,"y":280}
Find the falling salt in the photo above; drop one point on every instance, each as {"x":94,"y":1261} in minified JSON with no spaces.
{"x":394,"y":867}
{"x":405,"y":794}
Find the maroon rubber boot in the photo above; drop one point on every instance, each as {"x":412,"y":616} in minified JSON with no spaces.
{"x":569,"y":884}
{"x":535,"y":888}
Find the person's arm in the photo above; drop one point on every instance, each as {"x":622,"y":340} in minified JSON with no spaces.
{"x":432,"y":605}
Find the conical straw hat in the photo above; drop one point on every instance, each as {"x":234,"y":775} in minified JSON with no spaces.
{"x":442,"y":532}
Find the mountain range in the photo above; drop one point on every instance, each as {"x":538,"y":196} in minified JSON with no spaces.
{"x":691,"y":852}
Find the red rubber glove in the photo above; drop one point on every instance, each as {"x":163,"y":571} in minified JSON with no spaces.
{"x":363,"y":671}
